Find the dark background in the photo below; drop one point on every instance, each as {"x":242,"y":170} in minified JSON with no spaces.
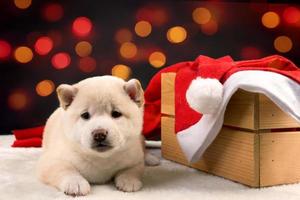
{"x":240,"y":33}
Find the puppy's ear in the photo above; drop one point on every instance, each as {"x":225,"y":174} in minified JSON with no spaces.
{"x":66,"y":94}
{"x":135,"y":91}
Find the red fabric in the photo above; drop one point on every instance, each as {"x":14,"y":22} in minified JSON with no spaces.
{"x":204,"y":67}
{"x":29,"y":133}
{"x":30,"y":137}
{"x":273,"y":63}
{"x":182,"y":82}
{"x":31,"y":142}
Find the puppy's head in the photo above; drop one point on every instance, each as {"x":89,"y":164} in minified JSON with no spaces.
{"x":102,"y":113}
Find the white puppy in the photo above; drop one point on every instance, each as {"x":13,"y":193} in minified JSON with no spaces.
{"x":94,"y":136}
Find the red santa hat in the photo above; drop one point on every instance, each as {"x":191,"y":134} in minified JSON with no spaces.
{"x":213,"y":72}
{"x":204,"y":87}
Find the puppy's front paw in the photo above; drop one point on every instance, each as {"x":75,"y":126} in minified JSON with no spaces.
{"x":75,"y":186}
{"x":127,"y":183}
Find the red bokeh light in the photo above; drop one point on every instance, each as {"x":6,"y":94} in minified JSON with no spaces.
{"x":155,"y":15}
{"x":43,"y":45}
{"x":5,"y":49}
{"x":250,"y":52}
{"x":87,"y":64}
{"x":82,"y":26}
{"x":53,"y":12}
{"x":210,"y":28}
{"x":291,"y":15}
{"x":61,"y":60}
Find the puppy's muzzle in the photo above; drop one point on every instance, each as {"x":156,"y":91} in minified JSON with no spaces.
{"x":99,"y":135}
{"x":100,"y":142}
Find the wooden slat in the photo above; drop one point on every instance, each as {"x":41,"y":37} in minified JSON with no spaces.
{"x":279,"y":159}
{"x":257,"y":160}
{"x":240,"y":111}
{"x":272,"y":117}
{"x":170,"y":147}
{"x":168,"y":95}
{"x":231,"y":155}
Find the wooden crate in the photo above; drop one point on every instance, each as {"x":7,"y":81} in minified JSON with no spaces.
{"x":258,"y":146}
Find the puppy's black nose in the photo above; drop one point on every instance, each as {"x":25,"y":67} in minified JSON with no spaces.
{"x":99,"y":135}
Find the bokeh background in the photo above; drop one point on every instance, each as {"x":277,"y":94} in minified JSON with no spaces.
{"x":44,"y":43}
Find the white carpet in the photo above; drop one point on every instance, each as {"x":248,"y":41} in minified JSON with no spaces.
{"x":167,"y":181}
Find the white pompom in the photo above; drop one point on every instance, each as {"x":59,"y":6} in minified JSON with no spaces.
{"x":205,"y":95}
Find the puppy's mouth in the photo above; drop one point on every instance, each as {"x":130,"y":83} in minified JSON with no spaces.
{"x":102,"y":146}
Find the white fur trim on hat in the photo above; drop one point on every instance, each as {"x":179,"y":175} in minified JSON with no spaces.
{"x":205,"y":95}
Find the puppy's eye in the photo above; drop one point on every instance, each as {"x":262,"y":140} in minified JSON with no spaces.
{"x":85,"y":115}
{"x":116,"y":114}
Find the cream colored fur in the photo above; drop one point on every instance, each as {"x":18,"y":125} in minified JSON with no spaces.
{"x":68,"y":162}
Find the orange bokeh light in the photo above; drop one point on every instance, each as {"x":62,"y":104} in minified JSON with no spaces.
{"x":43,"y":45}
{"x":201,"y":15}
{"x":176,"y":34}
{"x":128,"y":50}
{"x":53,"y":12}
{"x":22,"y":4}
{"x":17,"y":100}
{"x":121,"y":71}
{"x":61,"y":60}
{"x":45,"y":88}
{"x":123,"y":35}
{"x":23,"y":54}
{"x":270,"y":19}
{"x":157,"y":59}
{"x":143,"y":28}
{"x":83,"y":48}
{"x":283,"y":44}
{"x":87,"y":64}
{"x":82,"y":26}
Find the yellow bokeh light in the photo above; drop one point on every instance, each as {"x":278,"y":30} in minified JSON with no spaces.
{"x":23,"y":54}
{"x":176,"y":34}
{"x":44,"y":88}
{"x":83,"y":48}
{"x":143,"y":28}
{"x":283,"y":44}
{"x":22,"y":4}
{"x":121,"y":71}
{"x":17,"y":100}
{"x":123,"y":35}
{"x":157,"y":59}
{"x":128,"y":50}
{"x":201,"y":15}
{"x":270,"y":19}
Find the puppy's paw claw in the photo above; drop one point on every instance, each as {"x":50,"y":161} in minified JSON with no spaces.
{"x":128,"y":184}
{"x":75,"y":186}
